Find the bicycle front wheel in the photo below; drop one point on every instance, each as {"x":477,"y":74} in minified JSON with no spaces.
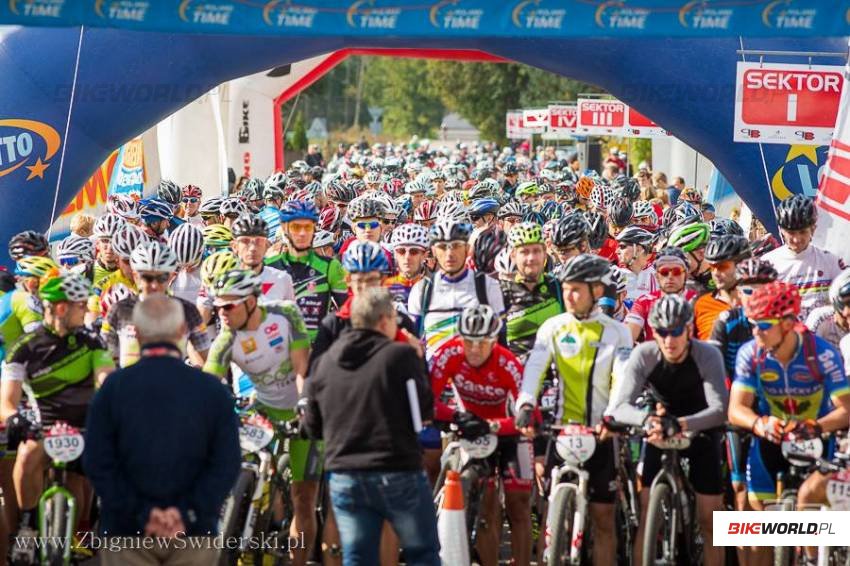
{"x":563,"y":509}
{"x":56,"y":515}
{"x":658,"y":548}
{"x":235,"y":512}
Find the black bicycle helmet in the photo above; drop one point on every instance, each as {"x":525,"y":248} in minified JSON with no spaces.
{"x":170,"y":192}
{"x":585,"y":268}
{"x":636,"y":235}
{"x":598,"y":229}
{"x":488,"y":243}
{"x":534,"y":216}
{"x":620,"y":212}
{"x":670,"y":312}
{"x":27,"y":243}
{"x":627,"y":187}
{"x":570,"y":230}
{"x":727,"y":248}
{"x":796,"y":213}
{"x":724,"y":226}
{"x":249,"y":225}
{"x":338,"y":191}
{"x":510,"y":169}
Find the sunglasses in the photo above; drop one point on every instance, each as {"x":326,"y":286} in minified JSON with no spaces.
{"x":443,"y":246}
{"x":670,"y":271}
{"x":746,"y":290}
{"x":192,"y":200}
{"x":664,"y":333}
{"x":765,"y":324}
{"x":411,"y":251}
{"x":721,"y":265}
{"x":230,"y":306}
{"x":475,"y":217}
{"x":69,"y":261}
{"x":388,"y":221}
{"x":155,"y":278}
{"x":371,"y":225}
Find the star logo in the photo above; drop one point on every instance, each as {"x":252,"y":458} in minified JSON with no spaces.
{"x":37,"y":170}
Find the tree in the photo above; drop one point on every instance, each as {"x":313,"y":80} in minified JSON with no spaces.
{"x":299,"y":134}
{"x":402,"y":88}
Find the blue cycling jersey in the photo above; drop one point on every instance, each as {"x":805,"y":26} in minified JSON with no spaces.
{"x":792,"y":391}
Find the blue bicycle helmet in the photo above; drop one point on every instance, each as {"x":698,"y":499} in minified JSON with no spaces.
{"x":484,"y":206}
{"x":298,"y":210}
{"x":534,"y":216}
{"x":153,"y":209}
{"x":365,"y":257}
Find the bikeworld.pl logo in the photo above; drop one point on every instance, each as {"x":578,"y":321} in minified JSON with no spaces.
{"x":528,"y":14}
{"x":27,"y":144}
{"x":284,"y":15}
{"x":363,"y":14}
{"x":37,"y":8}
{"x":781,"y":528}
{"x":698,"y":14}
{"x":206,"y":13}
{"x":445,"y":15}
{"x":122,"y":10}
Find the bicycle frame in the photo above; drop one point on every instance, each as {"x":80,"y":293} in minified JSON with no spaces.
{"x":58,"y":487}
{"x":560,"y":473}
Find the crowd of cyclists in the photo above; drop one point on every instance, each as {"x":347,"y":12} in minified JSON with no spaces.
{"x":537,"y":294}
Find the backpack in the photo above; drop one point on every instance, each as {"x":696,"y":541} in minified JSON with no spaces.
{"x":810,"y":352}
{"x":428,"y":290}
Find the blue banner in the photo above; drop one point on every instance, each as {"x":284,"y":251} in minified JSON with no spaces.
{"x":447,"y":18}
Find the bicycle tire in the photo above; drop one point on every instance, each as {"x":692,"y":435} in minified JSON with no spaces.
{"x":563,"y":510}
{"x":234,"y":514}
{"x":56,"y":511}
{"x":782,"y":554}
{"x":625,"y":532}
{"x":469,"y":481}
{"x":266,"y":516}
{"x":659,"y":525}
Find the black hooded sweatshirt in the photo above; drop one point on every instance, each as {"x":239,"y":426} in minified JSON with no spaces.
{"x":358,"y":403}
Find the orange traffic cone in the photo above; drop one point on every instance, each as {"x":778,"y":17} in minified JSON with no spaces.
{"x":451,"y":524}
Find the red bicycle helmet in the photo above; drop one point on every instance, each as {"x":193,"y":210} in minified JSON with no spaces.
{"x":774,"y":300}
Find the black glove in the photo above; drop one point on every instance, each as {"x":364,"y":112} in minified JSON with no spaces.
{"x":17,"y":430}
{"x":670,"y":426}
{"x":469,"y":426}
{"x":525,"y":417}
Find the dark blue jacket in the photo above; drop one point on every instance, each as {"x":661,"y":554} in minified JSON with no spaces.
{"x":160,"y":434}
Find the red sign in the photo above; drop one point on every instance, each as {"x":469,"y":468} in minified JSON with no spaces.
{"x":563,"y":117}
{"x":638,"y":120}
{"x":607,"y":114}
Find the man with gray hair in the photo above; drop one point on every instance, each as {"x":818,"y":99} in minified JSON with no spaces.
{"x":162,"y":444}
{"x":367,"y":396}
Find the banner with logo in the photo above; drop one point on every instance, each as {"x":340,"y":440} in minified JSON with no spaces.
{"x":128,"y":175}
{"x":515,"y":128}
{"x":600,"y":117}
{"x":639,"y":126}
{"x":563,"y":119}
{"x":786,"y":103}
{"x":546,"y":18}
{"x":536,"y":120}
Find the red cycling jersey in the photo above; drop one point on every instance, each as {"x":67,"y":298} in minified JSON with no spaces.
{"x":639,"y":313}
{"x":485,"y":391}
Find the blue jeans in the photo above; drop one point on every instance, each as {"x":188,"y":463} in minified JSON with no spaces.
{"x":362,"y":501}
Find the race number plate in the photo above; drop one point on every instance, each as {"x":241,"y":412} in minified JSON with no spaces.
{"x":63,"y":443}
{"x":481,"y":447}
{"x":811,"y":449}
{"x":838,"y":491}
{"x":575,"y":444}
{"x":677,"y":442}
{"x":255,"y":433}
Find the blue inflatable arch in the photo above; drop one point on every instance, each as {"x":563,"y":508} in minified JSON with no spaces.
{"x":128,"y":80}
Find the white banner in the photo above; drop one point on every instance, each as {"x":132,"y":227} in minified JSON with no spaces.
{"x":601,"y":117}
{"x":515,"y":126}
{"x":781,"y":528}
{"x":786,"y":103}
{"x":563,"y":119}
{"x":536,"y":119}
{"x":639,"y":126}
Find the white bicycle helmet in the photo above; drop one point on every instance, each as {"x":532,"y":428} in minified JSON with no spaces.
{"x":504,"y":264}
{"x":107,"y":225}
{"x":155,"y":257}
{"x":323,"y":238}
{"x":454,"y":211}
{"x":115,"y":293}
{"x":479,"y":322}
{"x":410,"y":235}
{"x":232,"y":207}
{"x":126,"y":239}
{"x":187,"y":242}
{"x":76,"y":246}
{"x":124,"y":206}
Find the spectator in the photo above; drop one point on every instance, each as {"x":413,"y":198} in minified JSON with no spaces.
{"x":674,"y":190}
{"x":614,"y":157}
{"x":357,"y":400}
{"x":610,"y":171}
{"x":158,"y":471}
{"x":574,"y":163}
{"x":82,"y":225}
{"x":659,"y":184}
{"x":314,"y":156}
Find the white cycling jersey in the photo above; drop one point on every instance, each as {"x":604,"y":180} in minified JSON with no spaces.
{"x":821,"y":321}
{"x":276,"y":285}
{"x":811,"y":271}
{"x":643,"y":283}
{"x":187,"y":285}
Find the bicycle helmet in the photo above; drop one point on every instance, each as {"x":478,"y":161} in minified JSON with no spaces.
{"x":796,"y":213}
{"x":619,"y":279}
{"x":510,"y":169}
{"x":776,"y":299}
{"x":535,"y":217}
{"x":585,"y":268}
{"x":253,"y":189}
{"x":170,"y":192}
{"x":484,"y":206}
{"x":124,"y":206}
{"x":839,"y":290}
{"x":724,"y":226}
{"x":524,"y":234}
{"x":765,"y":245}
{"x":217,"y":264}
{"x":410,"y":235}
{"x":301,"y":166}
{"x":427,"y":210}
{"x":570,"y":231}
{"x":298,"y":210}
{"x":106,"y":226}
{"x":211,"y":207}
{"x":486,"y":189}
{"x":526,"y":189}
{"x":627,"y":188}
{"x":727,"y":248}
{"x":415,"y":187}
{"x":338,"y":191}
{"x":670,"y":255}
{"x":155,"y":257}
{"x":670,"y":312}
{"x":75,"y":246}
{"x":59,"y":287}
{"x":232,"y":207}
{"x":28,"y":243}
{"x":217,"y":236}
{"x":249,"y":225}
{"x":682,"y":214}
{"x":373,"y":179}
{"x":365,"y":207}
{"x":187,"y":242}
{"x":512,"y":208}
{"x":235,"y":283}
{"x":452,"y":210}
{"x":323,"y":238}
{"x":365,"y":257}
{"x":273,"y":193}
{"x":449,"y":230}
{"x":35,"y":266}
{"x":126,"y":239}
{"x":154,"y":209}
{"x":601,"y":196}
{"x":487,"y":246}
{"x":691,"y":195}
{"x":643,"y":209}
{"x":479,"y":323}
{"x":598,"y":229}
{"x":620,"y":212}
{"x":636,"y":235}
{"x":276,"y":180}
{"x":115,"y":293}
{"x":329,"y":218}
{"x":691,"y":237}
{"x":585,"y":186}
{"x":504,"y":263}
{"x":755,"y":270}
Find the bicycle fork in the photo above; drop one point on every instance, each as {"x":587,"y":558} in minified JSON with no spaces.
{"x":262,"y":471}
{"x":70,"y":518}
{"x":580,"y":515}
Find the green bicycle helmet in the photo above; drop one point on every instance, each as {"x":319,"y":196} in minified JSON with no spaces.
{"x":691,"y":237}
{"x":217,"y":264}
{"x":235,"y":283}
{"x":524,"y":234}
{"x":58,"y":287}
{"x":527,"y":189}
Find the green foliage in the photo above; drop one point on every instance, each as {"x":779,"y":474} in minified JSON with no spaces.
{"x":402,"y":88}
{"x":299,"y":134}
{"x":641,"y":150}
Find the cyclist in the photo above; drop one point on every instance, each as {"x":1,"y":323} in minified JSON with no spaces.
{"x":250,"y":243}
{"x":156,"y":217}
{"x":832,"y":322}
{"x":798,"y":261}
{"x":106,"y":261}
{"x":588,"y":350}
{"x":722,"y":254}
{"x":686,"y":377}
{"x":634,"y":250}
{"x":76,"y":254}
{"x":671,"y":274}
{"x":269,"y":342}
{"x":409,"y":243}
{"x":486,"y":377}
{"x":187,"y":242}
{"x":786,"y":379}
{"x":366,"y":215}
{"x":570,"y":237}
{"x":154,"y":266}
{"x":58,"y":366}
{"x":273,"y":198}
{"x":20,"y":310}
{"x":483,"y":212}
{"x":191,"y":199}
{"x":319,"y":281}
{"x":509,"y":214}
{"x":693,"y":239}
{"x":436,"y":301}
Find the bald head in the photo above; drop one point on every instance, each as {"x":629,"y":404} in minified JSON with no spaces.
{"x":159,"y":318}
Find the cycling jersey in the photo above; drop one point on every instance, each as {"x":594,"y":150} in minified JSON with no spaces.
{"x":639,"y":313}
{"x":641,"y":283}
{"x":811,"y":271}
{"x":609,"y":250}
{"x":100,"y":272}
{"x":264,"y":354}
{"x":57,"y":372}
{"x":319,"y":285}
{"x":706,"y":310}
{"x":588,"y":356}
{"x":102,"y":286}
{"x":821,"y":321}
{"x":731,"y":330}
{"x":271,"y":214}
{"x":448,"y":297}
{"x":275,"y":286}
{"x":400,"y":286}
{"x":20,"y":312}
{"x":120,"y":334}
{"x":187,"y":285}
{"x":526,"y":309}
{"x":791,"y":391}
